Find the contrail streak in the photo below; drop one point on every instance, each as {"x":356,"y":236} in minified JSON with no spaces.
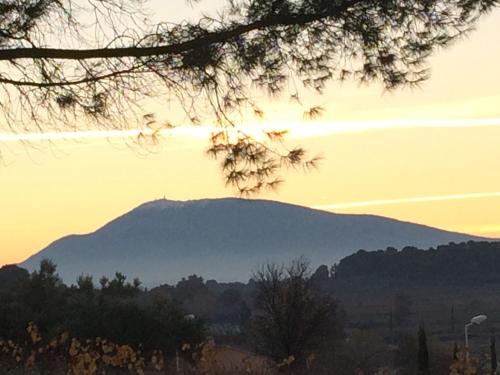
{"x":193,"y":132}
{"x":54,"y":136}
{"x":318,"y":128}
{"x":426,"y":199}
{"x":315,"y":129}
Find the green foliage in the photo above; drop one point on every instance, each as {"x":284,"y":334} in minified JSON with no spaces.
{"x":469,"y":263}
{"x":115,"y":311}
{"x":290,"y":319}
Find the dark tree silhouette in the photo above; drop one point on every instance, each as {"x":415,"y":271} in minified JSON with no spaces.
{"x":118,"y":311}
{"x":11,"y":275}
{"x":423,"y":353}
{"x":467,"y":263}
{"x":493,"y":355}
{"x":52,"y":73}
{"x":455,"y":351}
{"x":292,"y":318}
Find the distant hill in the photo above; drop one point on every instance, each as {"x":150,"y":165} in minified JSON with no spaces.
{"x":225,"y":239}
{"x":387,"y":291}
{"x":441,"y":287}
{"x":473,"y":264}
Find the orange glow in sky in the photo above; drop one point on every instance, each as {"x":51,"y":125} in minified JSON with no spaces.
{"x":428,"y":155}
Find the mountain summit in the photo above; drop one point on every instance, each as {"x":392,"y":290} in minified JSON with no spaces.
{"x":163,"y":241}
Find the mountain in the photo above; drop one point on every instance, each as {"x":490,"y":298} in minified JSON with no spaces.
{"x":225,"y":239}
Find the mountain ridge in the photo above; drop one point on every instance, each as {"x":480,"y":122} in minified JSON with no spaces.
{"x":163,"y":240}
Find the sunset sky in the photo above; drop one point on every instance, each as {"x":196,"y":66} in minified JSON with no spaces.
{"x":429,"y":155}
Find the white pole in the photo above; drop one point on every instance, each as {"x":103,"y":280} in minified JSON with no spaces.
{"x":467,"y":343}
{"x":177,"y":360}
{"x":474,"y":321}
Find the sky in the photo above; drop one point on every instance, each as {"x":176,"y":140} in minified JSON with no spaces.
{"x":427,"y":155}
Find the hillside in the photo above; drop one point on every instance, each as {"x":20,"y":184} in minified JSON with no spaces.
{"x":224,"y":239}
{"x":463,"y":264}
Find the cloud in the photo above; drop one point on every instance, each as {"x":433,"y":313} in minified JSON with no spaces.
{"x":408,"y":200}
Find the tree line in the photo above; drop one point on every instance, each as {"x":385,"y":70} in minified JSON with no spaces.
{"x":284,"y":313}
{"x":467,"y":263}
{"x":114,"y":310}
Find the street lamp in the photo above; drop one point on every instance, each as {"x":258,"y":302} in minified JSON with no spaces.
{"x":474,"y":321}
